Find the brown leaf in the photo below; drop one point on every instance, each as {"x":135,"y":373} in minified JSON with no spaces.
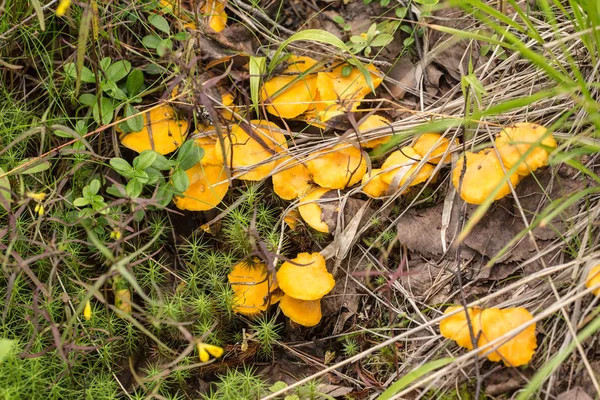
{"x":576,"y":393}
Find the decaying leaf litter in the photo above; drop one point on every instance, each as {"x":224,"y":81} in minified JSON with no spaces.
{"x":399,"y":252}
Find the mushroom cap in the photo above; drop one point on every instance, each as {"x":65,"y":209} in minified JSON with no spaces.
{"x":168,"y":133}
{"x":336,"y":168}
{"x":515,"y":141}
{"x":405,"y":160}
{"x":495,"y":323}
{"x":427,"y":141}
{"x":214,"y":10}
{"x":293,"y":181}
{"x":456,"y":326}
{"x":208,"y":186}
{"x":248,"y":152}
{"x":373,"y":185}
{"x":373,"y":122}
{"x":483,"y":173}
{"x":291,"y":218}
{"x":251,"y":287}
{"x":286,"y":98}
{"x":593,"y":279}
{"x":309,"y":280}
{"x":303,"y":312}
{"x":209,"y":145}
{"x":320,"y":112}
{"x":311,"y":212}
{"x":334,"y":87}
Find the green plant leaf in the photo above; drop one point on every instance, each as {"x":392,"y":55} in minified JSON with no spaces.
{"x":180,"y":180}
{"x":151,"y":42}
{"x":257,"y":69}
{"x":164,"y":194}
{"x":401,"y":12}
{"x":159,"y":23}
{"x":181,"y":36}
{"x":87,"y":99}
{"x":144,"y":160}
{"x":163,"y":47}
{"x":413,"y":376}
{"x":189,"y":154}
{"x":121,"y":166}
{"x":87,"y":75}
{"x":94,"y":186}
{"x":107,"y":111}
{"x":136,"y":123}
{"x":5,"y":190}
{"x":382,"y":40}
{"x":162,"y":163}
{"x":33,"y":169}
{"x":81,"y":202}
{"x":118,"y":70}
{"x":134,"y":188}
{"x":135,"y":82}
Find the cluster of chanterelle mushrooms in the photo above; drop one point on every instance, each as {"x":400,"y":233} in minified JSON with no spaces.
{"x":315,"y":92}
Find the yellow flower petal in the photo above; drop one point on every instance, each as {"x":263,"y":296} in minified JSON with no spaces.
{"x":63,"y":7}
{"x":206,"y":350}
{"x":87,"y":311}
{"x":36,"y":196}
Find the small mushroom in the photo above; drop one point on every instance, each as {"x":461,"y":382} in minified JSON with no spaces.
{"x":488,"y":325}
{"x":496,"y":323}
{"x":311,"y":212}
{"x":373,"y":122}
{"x":305,"y":277}
{"x":248,"y":151}
{"x":287,"y":95}
{"x":456,"y":327}
{"x":373,"y":185}
{"x":292,"y":182}
{"x":162,"y":132}
{"x":343,"y":165}
{"x":208,"y":186}
{"x":336,"y":87}
{"x":593,"y":279}
{"x":304,"y":312}
{"x":428,"y":141}
{"x":482,"y":175}
{"x":209,"y":145}
{"x":406,"y":162}
{"x":253,"y":292}
{"x":515,"y":141}
{"x":214,"y":11}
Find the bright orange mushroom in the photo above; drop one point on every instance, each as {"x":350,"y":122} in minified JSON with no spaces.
{"x":373,"y":185}
{"x":406,"y":162}
{"x":488,"y":325}
{"x":305,"y":277}
{"x":593,"y":279}
{"x":304,"y":312}
{"x":428,"y":141}
{"x":293,"y":181}
{"x":515,"y":141}
{"x":290,"y":94}
{"x":243,"y":150}
{"x":311,"y":212}
{"x":216,"y":17}
{"x":253,"y":291}
{"x":208,"y":186}
{"x":336,"y":168}
{"x":482,"y":175}
{"x":162,"y":132}
{"x":373,"y":122}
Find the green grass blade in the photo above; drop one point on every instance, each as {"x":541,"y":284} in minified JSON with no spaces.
{"x":548,"y":368}
{"x":40,"y":14}
{"x":257,"y":69}
{"x":321,"y":36}
{"x":413,"y":376}
{"x":84,"y":33}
